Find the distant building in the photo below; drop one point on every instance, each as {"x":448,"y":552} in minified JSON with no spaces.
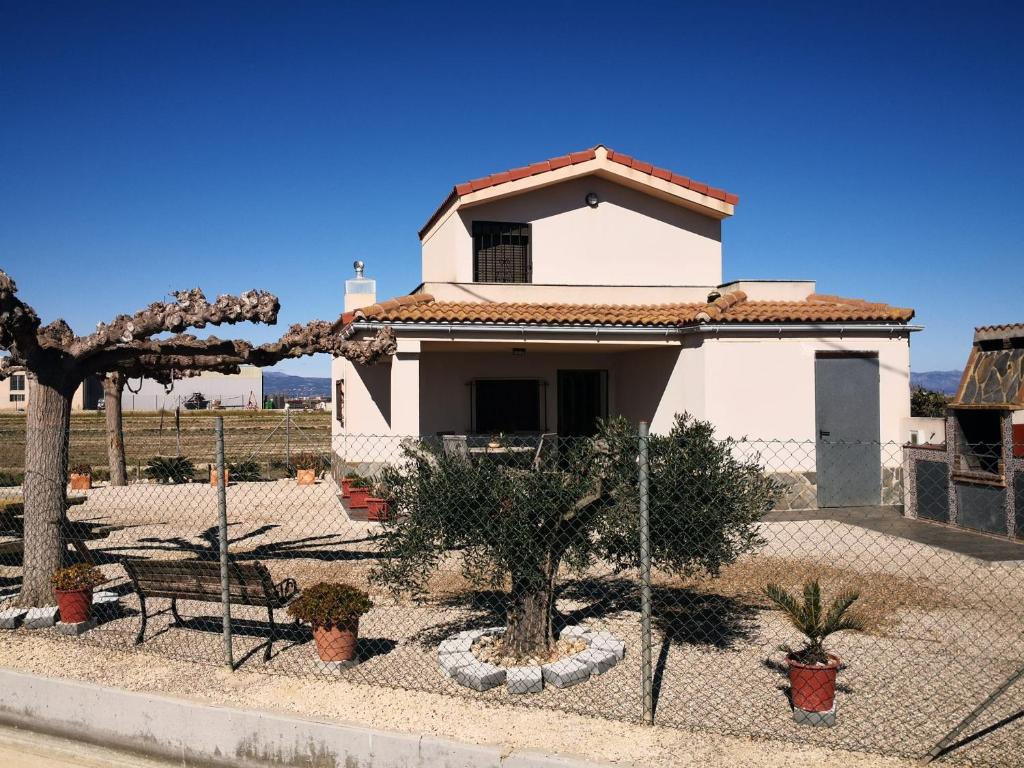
{"x":237,"y":390}
{"x":14,"y":393}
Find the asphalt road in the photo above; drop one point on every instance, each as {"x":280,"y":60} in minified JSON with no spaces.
{"x":24,"y":749}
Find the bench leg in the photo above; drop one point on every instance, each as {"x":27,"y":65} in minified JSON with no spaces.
{"x":142,"y":629}
{"x":174,"y":612}
{"x":273,"y":633}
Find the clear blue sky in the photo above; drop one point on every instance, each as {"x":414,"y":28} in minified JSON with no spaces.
{"x":151,"y":146}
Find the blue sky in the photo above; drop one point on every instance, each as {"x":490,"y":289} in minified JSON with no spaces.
{"x":146,"y":147}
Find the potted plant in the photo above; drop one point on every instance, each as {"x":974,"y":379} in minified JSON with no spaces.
{"x":81,"y":477}
{"x":333,"y":610}
{"x":812,"y":670}
{"x":359,"y":492}
{"x":346,"y":483}
{"x":306,"y":466}
{"x":171,"y":469}
{"x":376,"y":506}
{"x":73,"y":587}
{"x":213,"y":475}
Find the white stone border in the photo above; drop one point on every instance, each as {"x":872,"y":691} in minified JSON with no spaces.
{"x":455,"y":655}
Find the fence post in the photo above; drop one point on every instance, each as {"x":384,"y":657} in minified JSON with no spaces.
{"x":645,"y":579}
{"x":222,"y":530}
{"x":287,"y":438}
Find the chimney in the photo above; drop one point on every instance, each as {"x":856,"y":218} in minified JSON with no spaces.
{"x":360,"y":291}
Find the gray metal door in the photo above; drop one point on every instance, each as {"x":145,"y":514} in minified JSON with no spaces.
{"x":846,"y":409}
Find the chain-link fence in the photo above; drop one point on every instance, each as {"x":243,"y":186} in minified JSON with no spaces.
{"x":515,"y":570}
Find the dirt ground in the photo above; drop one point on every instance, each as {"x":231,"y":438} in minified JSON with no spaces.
{"x":942,"y":630}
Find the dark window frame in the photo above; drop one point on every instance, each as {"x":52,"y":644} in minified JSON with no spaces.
{"x":542,"y":405}
{"x":17,"y":382}
{"x":498,"y":261}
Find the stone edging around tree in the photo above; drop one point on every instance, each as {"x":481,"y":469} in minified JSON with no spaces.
{"x":455,"y":655}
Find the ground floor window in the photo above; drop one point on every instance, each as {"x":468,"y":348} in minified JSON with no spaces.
{"x":507,"y":406}
{"x":17,"y":398}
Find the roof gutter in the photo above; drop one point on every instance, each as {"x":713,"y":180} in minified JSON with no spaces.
{"x":636,"y":330}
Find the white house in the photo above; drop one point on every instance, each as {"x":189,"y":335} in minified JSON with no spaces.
{"x":591,"y":284}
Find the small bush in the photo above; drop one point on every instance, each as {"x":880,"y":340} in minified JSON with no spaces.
{"x":81,"y":469}
{"x":357,"y":481}
{"x":247,"y":471}
{"x":327,"y":605}
{"x":8,"y":479}
{"x":171,"y":469}
{"x":812,"y":621}
{"x":79,"y":576}
{"x":309,"y":460}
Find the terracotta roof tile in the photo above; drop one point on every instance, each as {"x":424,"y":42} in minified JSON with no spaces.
{"x":733,"y":307}
{"x":574,"y":158}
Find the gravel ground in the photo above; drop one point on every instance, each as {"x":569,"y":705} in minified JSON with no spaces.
{"x":946,"y":630}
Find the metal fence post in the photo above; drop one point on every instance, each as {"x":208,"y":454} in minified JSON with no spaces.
{"x":287,"y":438}
{"x":645,"y":579}
{"x":222,"y":529}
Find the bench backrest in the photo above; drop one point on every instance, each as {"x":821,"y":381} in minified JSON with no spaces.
{"x":248,"y":583}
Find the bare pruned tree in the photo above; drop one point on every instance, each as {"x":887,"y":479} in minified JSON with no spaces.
{"x":58,"y":361}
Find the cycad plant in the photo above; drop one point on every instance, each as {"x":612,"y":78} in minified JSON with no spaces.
{"x":812,"y":620}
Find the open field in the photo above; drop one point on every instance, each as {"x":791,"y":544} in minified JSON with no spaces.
{"x":943,"y":630}
{"x":262,"y":434}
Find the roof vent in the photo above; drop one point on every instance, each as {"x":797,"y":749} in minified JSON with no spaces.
{"x":359,"y":266}
{"x":713,"y":296}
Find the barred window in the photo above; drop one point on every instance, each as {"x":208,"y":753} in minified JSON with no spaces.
{"x":17,"y":398}
{"x":18,"y":382}
{"x":501,"y":252}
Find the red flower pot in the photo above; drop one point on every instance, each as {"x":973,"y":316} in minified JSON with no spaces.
{"x":357,"y":497}
{"x":305,"y":476}
{"x":346,"y":487}
{"x":337,"y":643}
{"x":376,"y":509}
{"x":81,"y":482}
{"x":813,"y":685}
{"x":75,"y":604}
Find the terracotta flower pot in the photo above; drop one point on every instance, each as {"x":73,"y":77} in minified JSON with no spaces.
{"x":337,"y":643}
{"x":213,"y":477}
{"x":81,"y":482}
{"x":813,"y":685}
{"x":357,"y":497}
{"x":346,"y":487}
{"x":75,"y":604}
{"x":305,"y":476}
{"x":376,"y":509}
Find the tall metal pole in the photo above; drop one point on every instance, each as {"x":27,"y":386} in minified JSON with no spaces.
{"x":177,"y":430}
{"x":287,"y":437}
{"x":645,"y":580}
{"x":222,"y":528}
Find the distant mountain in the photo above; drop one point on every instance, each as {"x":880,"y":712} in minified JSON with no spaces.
{"x":295,"y":386}
{"x":937,"y":381}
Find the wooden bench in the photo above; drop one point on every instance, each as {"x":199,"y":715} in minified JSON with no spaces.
{"x":248,"y":584}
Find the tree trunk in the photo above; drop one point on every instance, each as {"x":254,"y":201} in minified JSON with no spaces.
{"x":113,"y":388}
{"x":46,"y":477}
{"x":530,"y":615}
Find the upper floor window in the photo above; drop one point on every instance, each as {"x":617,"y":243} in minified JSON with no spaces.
{"x":18,"y":382}
{"x":501,"y":252}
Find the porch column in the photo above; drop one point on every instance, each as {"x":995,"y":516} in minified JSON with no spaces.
{"x":405,"y":389}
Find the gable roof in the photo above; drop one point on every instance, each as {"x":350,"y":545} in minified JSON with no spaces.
{"x":733,"y":307}
{"x":597,"y":159}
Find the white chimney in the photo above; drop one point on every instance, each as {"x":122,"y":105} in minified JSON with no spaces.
{"x":360,"y":291}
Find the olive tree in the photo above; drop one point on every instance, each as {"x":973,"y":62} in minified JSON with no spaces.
{"x":515,"y":528}
{"x":58,"y":361}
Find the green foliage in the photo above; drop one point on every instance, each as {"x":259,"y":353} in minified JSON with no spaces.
{"x":925,"y":402}
{"x":309,"y":460}
{"x":78,"y":576}
{"x":327,"y":604}
{"x":520,"y":524}
{"x":812,"y":621}
{"x":247,"y":471}
{"x":81,"y":469}
{"x":10,"y":479}
{"x":357,"y":481}
{"x":171,"y":469}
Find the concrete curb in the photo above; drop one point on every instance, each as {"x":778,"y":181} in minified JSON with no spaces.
{"x":202,"y":735}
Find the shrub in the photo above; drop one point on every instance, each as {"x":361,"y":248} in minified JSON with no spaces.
{"x":247,"y":471}
{"x":309,"y":460}
{"x":327,"y":604}
{"x":78,"y":576}
{"x":81,"y":469}
{"x":10,"y":479}
{"x":171,"y":469}
{"x":814,"y":623}
{"x":925,"y":402}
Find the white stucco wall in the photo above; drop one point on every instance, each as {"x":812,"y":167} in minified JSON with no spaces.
{"x":630,"y":238}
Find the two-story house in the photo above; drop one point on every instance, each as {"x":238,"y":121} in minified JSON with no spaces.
{"x":591,"y":284}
